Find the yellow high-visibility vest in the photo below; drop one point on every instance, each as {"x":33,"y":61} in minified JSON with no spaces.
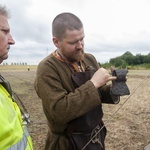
{"x":13,"y":134}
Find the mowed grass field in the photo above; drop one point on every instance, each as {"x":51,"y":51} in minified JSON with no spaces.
{"x":128,"y":123}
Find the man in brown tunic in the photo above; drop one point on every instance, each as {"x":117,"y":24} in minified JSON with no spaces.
{"x":72,"y":87}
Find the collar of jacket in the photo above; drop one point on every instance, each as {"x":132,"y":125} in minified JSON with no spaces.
{"x":78,"y":67}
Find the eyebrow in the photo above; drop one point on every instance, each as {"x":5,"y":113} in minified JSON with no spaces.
{"x":5,"y":29}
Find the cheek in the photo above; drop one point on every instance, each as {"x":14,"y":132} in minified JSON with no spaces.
{"x":3,"y":46}
{"x":71,"y":48}
{"x":3,"y":41}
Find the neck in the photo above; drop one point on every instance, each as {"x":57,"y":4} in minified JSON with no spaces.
{"x":60,"y":54}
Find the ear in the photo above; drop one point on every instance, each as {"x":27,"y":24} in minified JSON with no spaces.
{"x":56,"y":42}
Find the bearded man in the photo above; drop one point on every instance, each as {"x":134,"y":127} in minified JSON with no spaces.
{"x":72,"y":87}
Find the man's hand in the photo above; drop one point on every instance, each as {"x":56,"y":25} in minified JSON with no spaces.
{"x":101,"y":77}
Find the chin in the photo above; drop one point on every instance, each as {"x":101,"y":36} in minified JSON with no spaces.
{"x":80,"y":58}
{"x":5,"y":58}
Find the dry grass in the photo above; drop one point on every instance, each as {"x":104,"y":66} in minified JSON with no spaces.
{"x":128,"y":129}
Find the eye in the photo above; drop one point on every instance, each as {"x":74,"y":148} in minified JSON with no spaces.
{"x":82,"y":39}
{"x":5,"y":31}
{"x":73,"y":42}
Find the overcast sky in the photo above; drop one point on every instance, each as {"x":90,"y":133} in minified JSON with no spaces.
{"x":112,"y":27}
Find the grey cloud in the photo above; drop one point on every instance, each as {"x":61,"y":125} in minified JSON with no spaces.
{"x":23,"y":25}
{"x":33,"y":34}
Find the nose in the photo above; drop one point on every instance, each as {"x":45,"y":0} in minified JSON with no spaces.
{"x":79,"y":45}
{"x":10,"y":40}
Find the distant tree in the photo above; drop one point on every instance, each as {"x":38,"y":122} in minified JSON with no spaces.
{"x":5,"y":63}
{"x":129,"y":60}
{"x":126,"y":54}
{"x":138,"y":59}
{"x":112,"y":61}
{"x":116,"y":61}
{"x":146,"y":58}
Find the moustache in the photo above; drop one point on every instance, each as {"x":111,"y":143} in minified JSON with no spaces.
{"x":8,"y":47}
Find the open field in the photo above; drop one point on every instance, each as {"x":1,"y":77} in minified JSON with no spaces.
{"x":128,"y":128}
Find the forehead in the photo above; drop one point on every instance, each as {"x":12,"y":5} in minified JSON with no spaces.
{"x":77,"y":34}
{"x":3,"y":22}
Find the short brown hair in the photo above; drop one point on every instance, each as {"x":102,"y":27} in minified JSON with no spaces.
{"x":63,"y":22}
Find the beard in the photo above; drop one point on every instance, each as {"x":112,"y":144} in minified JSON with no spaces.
{"x":75,"y":56}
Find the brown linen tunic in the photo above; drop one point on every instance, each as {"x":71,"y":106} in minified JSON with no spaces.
{"x":61,"y":101}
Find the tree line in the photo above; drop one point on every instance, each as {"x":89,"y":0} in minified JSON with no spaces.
{"x":16,"y":64}
{"x":128,"y":60}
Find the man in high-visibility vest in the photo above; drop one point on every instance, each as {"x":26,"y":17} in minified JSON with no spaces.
{"x":13,"y":133}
